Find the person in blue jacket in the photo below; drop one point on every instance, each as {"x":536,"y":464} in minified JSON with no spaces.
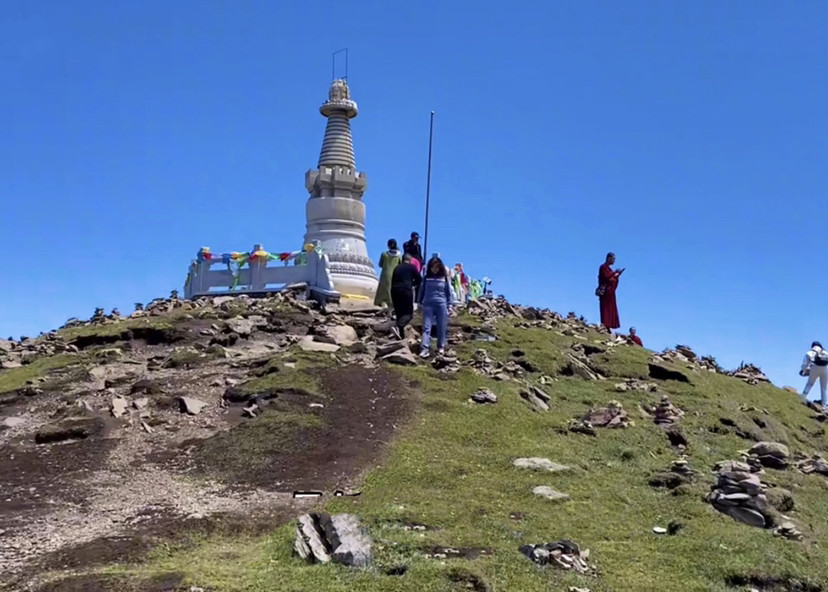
{"x":435,"y":299}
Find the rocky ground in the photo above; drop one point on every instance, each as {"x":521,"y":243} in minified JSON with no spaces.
{"x":233,"y":416}
{"x":116,"y":447}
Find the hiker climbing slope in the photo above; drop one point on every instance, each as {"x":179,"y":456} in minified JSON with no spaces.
{"x":815,"y":366}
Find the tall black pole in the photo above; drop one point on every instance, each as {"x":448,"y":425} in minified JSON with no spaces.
{"x":428,"y":187}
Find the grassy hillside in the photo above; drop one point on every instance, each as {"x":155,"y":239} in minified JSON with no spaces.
{"x":450,"y":470}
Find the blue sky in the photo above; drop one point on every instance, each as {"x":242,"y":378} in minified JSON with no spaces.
{"x":691,"y":138}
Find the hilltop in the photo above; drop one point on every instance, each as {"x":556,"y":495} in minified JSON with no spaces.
{"x":164,"y":452}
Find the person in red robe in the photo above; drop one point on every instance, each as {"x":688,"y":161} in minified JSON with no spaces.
{"x":607,"y":285}
{"x":634,"y":338}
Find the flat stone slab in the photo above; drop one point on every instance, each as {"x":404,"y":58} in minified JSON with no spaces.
{"x":190,"y":405}
{"x":549,"y":493}
{"x":539,"y":464}
{"x":307,"y":343}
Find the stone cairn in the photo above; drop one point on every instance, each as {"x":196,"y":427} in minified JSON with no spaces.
{"x":611,"y":416}
{"x":683,"y":355}
{"x":563,"y":554}
{"x":740,"y":493}
{"x":679,"y":473}
{"x":666,"y":413}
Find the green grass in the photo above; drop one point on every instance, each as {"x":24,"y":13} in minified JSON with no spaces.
{"x":16,"y":377}
{"x":450,"y":468}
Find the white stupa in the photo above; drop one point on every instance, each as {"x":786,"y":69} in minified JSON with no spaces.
{"x":335,"y":210}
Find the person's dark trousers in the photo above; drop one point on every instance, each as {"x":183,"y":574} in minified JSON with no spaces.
{"x":403,"y":301}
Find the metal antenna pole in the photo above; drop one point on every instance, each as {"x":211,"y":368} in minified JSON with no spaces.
{"x":333,"y":63}
{"x":428,"y":186}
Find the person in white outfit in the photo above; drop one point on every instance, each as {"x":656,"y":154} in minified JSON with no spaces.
{"x":815,"y":365}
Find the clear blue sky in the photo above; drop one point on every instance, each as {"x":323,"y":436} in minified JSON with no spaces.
{"x":691,"y":138}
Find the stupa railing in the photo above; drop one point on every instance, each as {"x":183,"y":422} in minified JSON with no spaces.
{"x":259,"y":271}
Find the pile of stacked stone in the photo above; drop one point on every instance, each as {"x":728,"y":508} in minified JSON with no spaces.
{"x":739,"y":493}
{"x":322,"y":538}
{"x":815,"y":464}
{"x":483,"y":364}
{"x":666,"y":413}
{"x":749,"y":373}
{"x":14,"y":354}
{"x":685,"y":356}
{"x":636,"y":385}
{"x":611,"y":416}
{"x":563,"y":554}
{"x":679,"y":473}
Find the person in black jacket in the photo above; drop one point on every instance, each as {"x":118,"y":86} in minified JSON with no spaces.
{"x":412,"y":247}
{"x":405,"y":281}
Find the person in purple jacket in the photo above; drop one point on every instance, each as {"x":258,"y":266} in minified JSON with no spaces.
{"x":435,"y":299}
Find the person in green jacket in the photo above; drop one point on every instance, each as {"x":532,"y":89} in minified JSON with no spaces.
{"x":388,"y":262}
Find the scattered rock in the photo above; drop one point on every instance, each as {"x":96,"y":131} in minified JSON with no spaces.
{"x":402,"y":357}
{"x":611,"y":416}
{"x":549,"y":493}
{"x":307,"y":343}
{"x":539,"y":464}
{"x":575,"y":367}
{"x":118,"y":406}
{"x":190,"y":405}
{"x":563,"y":554}
{"x":537,"y":399}
{"x":242,"y":327}
{"x":788,"y":530}
{"x":636,"y":385}
{"x":483,"y":396}
{"x":815,"y":464}
{"x":76,"y":428}
{"x":12,"y":422}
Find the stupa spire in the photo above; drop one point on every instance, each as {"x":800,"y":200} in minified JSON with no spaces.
{"x":335,"y":210}
{"x":338,"y":146}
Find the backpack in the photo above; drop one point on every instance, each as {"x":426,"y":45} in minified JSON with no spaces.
{"x":821,"y":358}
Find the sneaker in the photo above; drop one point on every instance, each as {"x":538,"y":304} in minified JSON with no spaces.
{"x":441,"y":351}
{"x":396,"y":332}
{"x":424,"y":354}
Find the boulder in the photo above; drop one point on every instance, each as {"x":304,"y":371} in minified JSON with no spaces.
{"x":349,"y":544}
{"x":774,"y":449}
{"x":309,"y":542}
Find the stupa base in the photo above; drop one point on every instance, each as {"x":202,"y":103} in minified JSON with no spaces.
{"x":355,"y":287}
